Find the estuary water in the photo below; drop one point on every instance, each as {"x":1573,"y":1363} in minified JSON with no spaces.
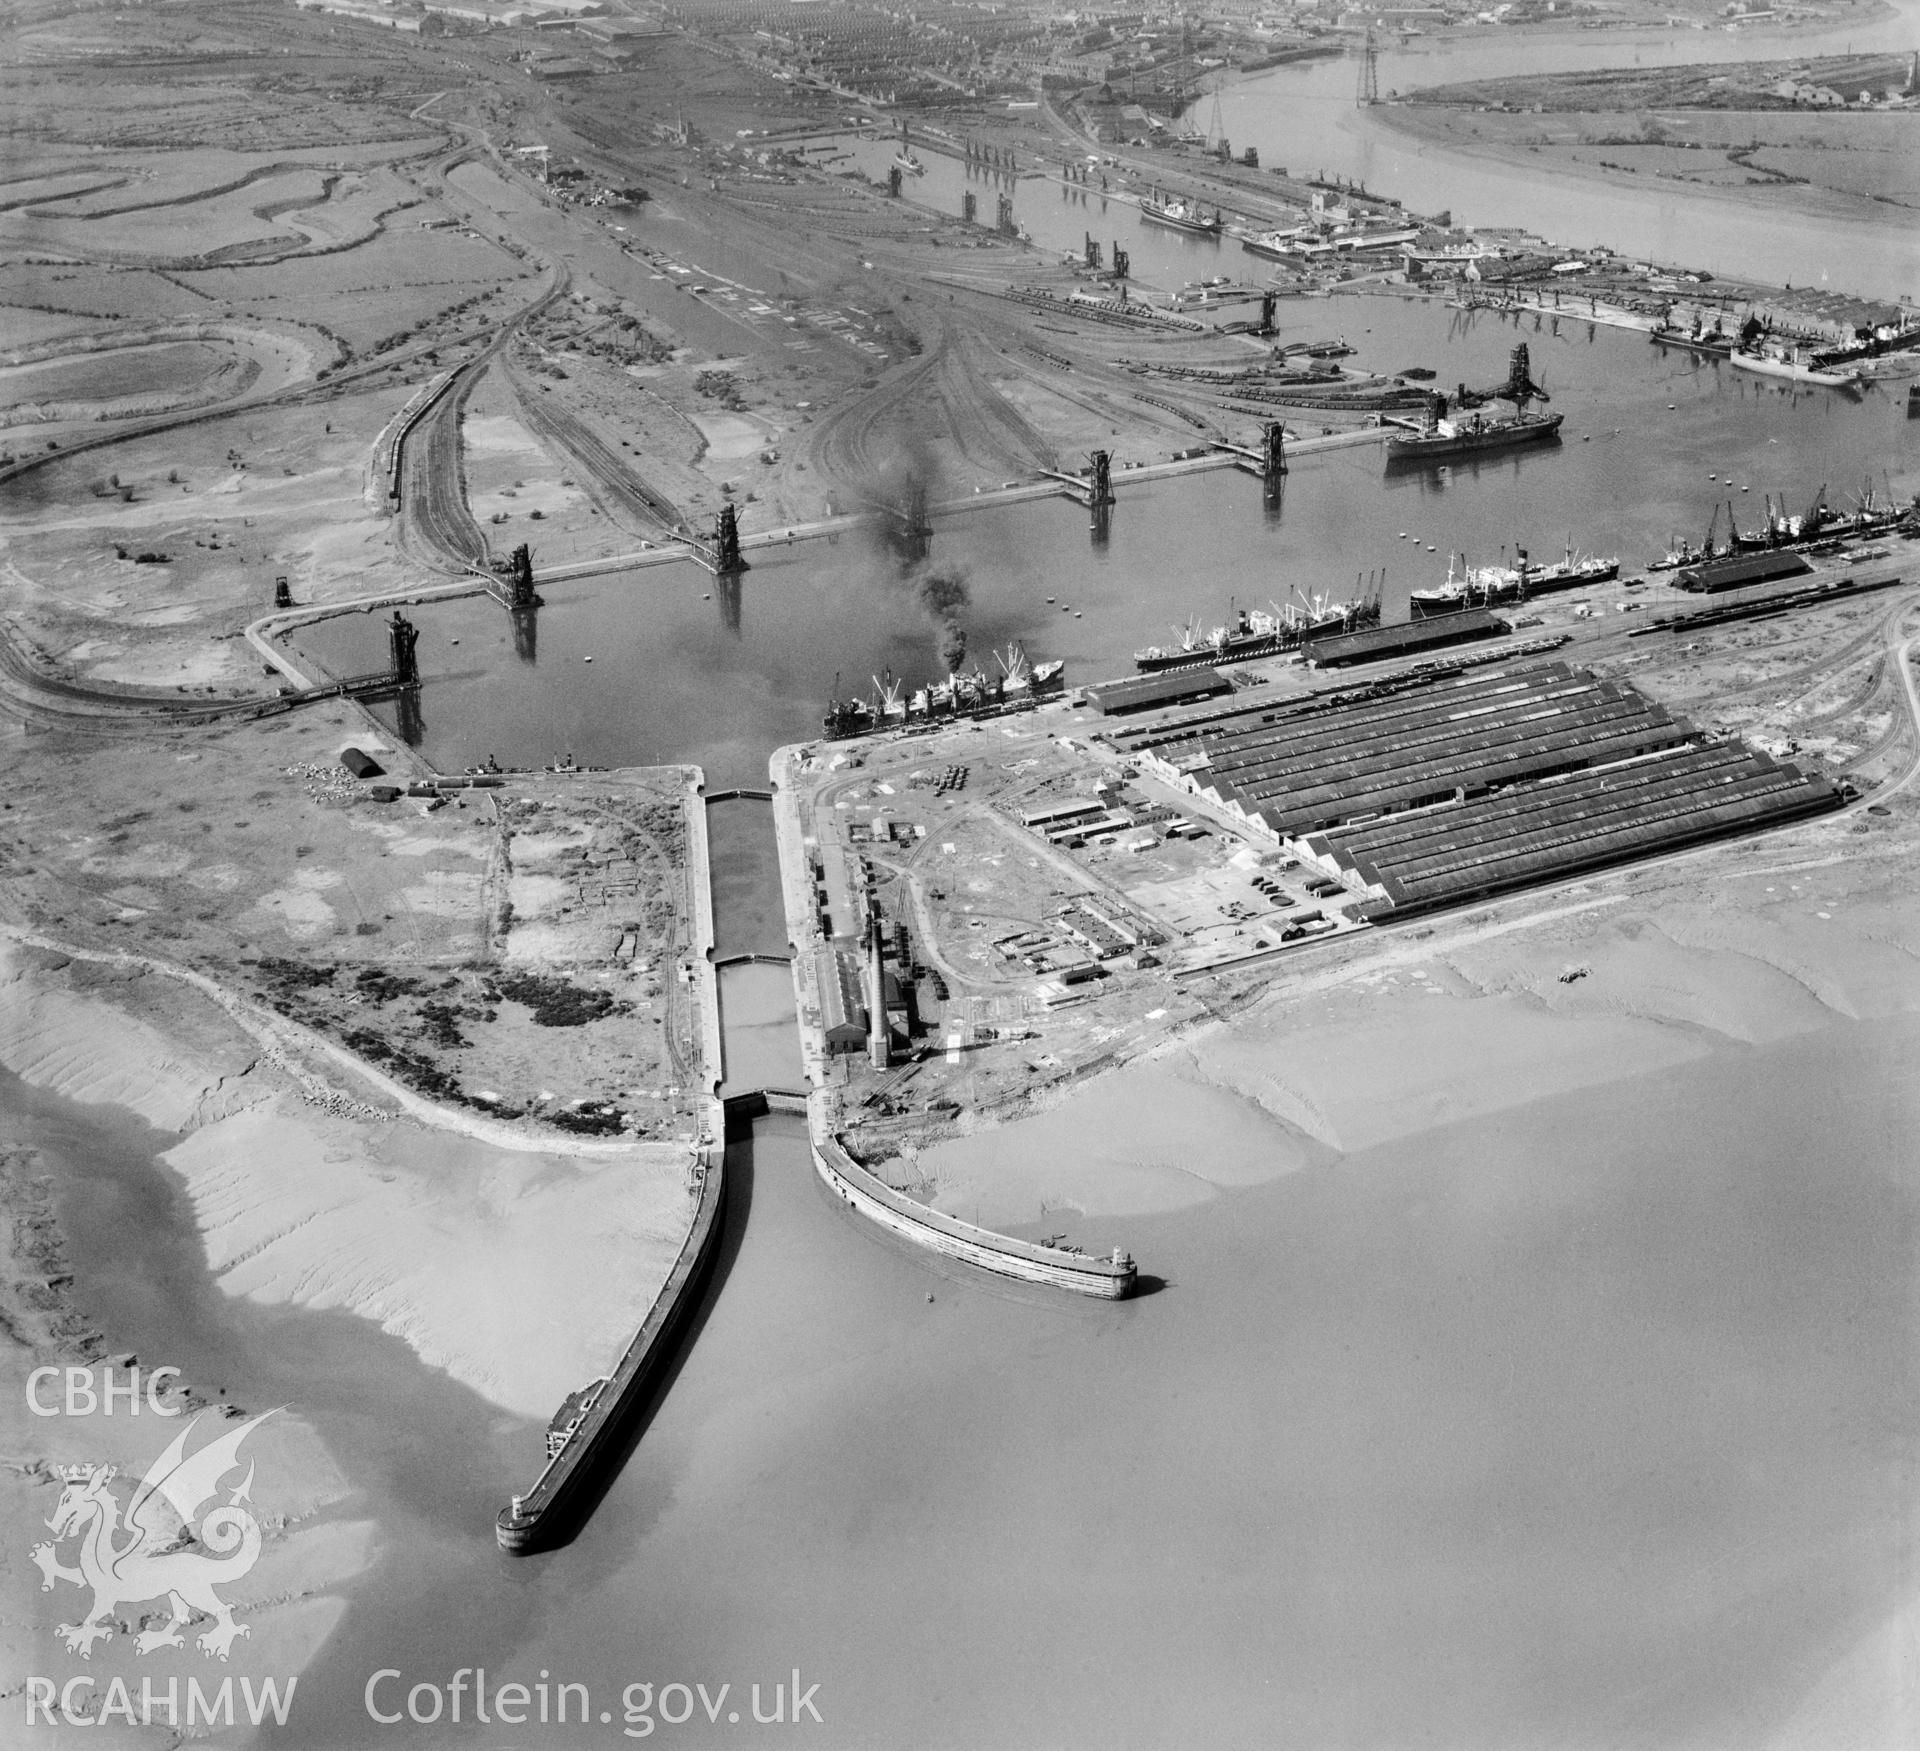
{"x":1584,"y":1425}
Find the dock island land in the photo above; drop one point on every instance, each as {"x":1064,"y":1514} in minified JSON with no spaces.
{"x":319,"y":315}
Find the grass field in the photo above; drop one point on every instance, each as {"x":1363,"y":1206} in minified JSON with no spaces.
{"x":380,"y":288}
{"x":170,"y":367}
{"x":1873,"y":157}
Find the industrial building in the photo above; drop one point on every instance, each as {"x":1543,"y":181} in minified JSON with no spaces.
{"x":1735,"y":573}
{"x":843,"y":1014}
{"x":1377,"y":643}
{"x":1431,"y":791}
{"x":1153,"y":692}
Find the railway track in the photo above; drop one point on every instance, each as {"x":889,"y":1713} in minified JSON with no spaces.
{"x":621,"y":488}
{"x":434,"y":514}
{"x":943,"y":394}
{"x":73,"y":705}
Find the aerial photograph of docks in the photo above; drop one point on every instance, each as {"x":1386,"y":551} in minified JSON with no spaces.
{"x":978,"y":875}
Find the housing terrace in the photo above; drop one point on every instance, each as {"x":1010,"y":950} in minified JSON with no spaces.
{"x":1434,"y":792}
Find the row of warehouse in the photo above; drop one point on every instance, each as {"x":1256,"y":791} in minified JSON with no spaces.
{"x":1431,"y":791}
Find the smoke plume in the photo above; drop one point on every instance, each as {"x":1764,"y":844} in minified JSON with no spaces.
{"x":906,"y":487}
{"x":943,"y":593}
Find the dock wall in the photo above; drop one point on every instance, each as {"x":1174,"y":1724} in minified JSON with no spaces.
{"x":706,"y":980}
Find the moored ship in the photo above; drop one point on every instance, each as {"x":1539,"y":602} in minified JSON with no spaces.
{"x":1791,"y":365}
{"x":1470,"y":436}
{"x":1254,"y":633}
{"x":1712,"y":342}
{"x":1442,"y":437}
{"x":1274,"y":245}
{"x":1486,"y":586}
{"x":1820,"y":528}
{"x":1181,"y":215}
{"x":906,"y":160}
{"x":1573,"y":572}
{"x":1468,"y":586}
{"x":1020,"y":686}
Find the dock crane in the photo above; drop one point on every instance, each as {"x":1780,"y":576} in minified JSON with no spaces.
{"x":1519,"y":387}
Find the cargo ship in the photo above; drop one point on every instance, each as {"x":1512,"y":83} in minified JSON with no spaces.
{"x":1180,"y":215}
{"x":1020,"y":686}
{"x":1274,"y":245}
{"x":1255,"y":633}
{"x":1447,"y":438}
{"x":1468,"y":586}
{"x":1713,"y":343}
{"x":1484,"y":586}
{"x":1791,"y":366}
{"x":1819,"y":526}
{"x":1573,"y":572}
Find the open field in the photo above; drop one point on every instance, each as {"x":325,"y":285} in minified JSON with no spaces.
{"x":516,"y":953}
{"x":1714,"y":128}
{"x":232,"y":504}
{"x":166,"y":370}
{"x":1855,"y":164}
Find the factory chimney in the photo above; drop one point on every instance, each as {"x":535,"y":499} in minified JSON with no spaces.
{"x":878,"y":1042}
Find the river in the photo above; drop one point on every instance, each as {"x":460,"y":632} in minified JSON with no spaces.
{"x":1304,"y":116}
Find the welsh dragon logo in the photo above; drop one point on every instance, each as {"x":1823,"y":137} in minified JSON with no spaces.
{"x":159,"y":1552}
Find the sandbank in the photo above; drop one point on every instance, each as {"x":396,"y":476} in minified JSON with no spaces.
{"x":521,"y":1273}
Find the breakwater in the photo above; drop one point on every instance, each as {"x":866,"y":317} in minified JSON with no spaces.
{"x":1110,"y":1278}
{"x":564,"y":1493}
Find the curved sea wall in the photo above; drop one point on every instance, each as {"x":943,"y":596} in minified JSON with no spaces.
{"x":1108,"y":1278}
